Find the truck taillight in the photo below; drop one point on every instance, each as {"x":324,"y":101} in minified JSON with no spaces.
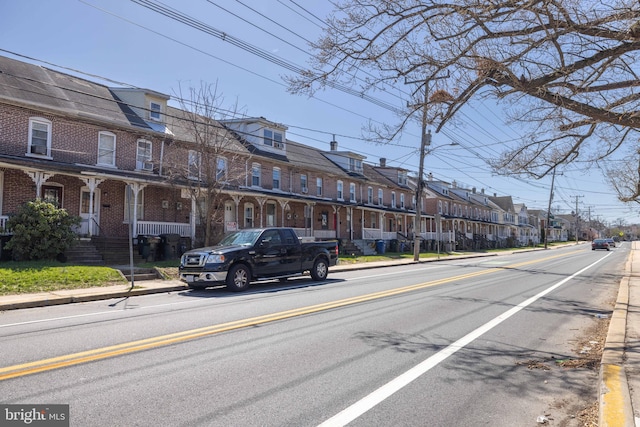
{"x":336,"y":249}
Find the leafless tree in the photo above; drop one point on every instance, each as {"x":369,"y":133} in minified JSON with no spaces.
{"x":209,"y":159}
{"x":566,"y":68}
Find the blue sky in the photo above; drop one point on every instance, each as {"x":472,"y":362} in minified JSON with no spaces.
{"x":128,"y":43}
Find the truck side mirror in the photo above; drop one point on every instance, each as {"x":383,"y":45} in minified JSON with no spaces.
{"x":265,"y":243}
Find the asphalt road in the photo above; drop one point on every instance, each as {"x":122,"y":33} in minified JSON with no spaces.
{"x":462,"y":342}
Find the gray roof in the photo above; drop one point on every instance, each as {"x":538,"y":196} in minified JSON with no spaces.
{"x":39,"y":87}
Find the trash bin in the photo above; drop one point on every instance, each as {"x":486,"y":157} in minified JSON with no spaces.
{"x":169,"y":246}
{"x":144,"y":247}
{"x":393,"y":245}
{"x":5,"y":254}
{"x":154,"y":243}
{"x":402,"y":244}
{"x":380,"y":246}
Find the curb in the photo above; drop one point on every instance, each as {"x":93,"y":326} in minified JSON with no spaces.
{"x":615,"y":408}
{"x":59,"y":300}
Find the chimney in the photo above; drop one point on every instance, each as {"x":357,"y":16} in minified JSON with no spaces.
{"x":383,"y":162}
{"x":334,"y":144}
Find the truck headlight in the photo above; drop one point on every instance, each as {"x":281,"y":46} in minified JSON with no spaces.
{"x":215,"y":259}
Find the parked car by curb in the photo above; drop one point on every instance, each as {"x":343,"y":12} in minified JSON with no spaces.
{"x":257,"y":254}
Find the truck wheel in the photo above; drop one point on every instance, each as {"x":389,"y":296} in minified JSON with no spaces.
{"x":320,"y":269}
{"x":238,"y":278}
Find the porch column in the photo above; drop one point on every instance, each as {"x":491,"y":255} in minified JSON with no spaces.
{"x":39,"y":178}
{"x":336,"y":211}
{"x":236,"y":200}
{"x":261,"y":202}
{"x":283,"y":205}
{"x":92,"y":183}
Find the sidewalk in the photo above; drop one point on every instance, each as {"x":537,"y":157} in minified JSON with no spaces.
{"x":619,"y":383}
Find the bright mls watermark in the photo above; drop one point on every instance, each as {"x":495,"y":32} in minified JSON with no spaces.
{"x":34,"y":415}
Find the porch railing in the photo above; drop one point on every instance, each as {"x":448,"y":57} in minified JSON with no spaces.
{"x":155,"y":228}
{"x":324,"y":234}
{"x":445,"y":236}
{"x":3,"y":223}
{"x":376,"y":233}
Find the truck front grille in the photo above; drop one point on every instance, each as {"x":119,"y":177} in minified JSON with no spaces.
{"x":193,"y":260}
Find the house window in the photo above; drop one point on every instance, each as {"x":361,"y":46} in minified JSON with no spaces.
{"x":268,"y":137}
{"x":440,"y":207}
{"x":52,"y":194}
{"x":303,"y":184}
{"x":352,"y":192}
{"x":154,"y":111}
{"x":248,"y":215}
{"x":370,"y":195}
{"x":393,"y":199}
{"x":276,"y":178}
{"x":402,"y":201}
{"x":128,"y":204}
{"x":355,"y":165}
{"x":143,"y":155}
{"x":194,"y":165}
{"x":277,"y":140}
{"x":402,"y":178}
{"x":221,"y":169}
{"x":380,"y":201}
{"x":256,"y":171}
{"x":106,"y":149}
{"x":319,"y":187}
{"x":271,"y":214}
{"x":339,"y":191}
{"x":39,"y":137}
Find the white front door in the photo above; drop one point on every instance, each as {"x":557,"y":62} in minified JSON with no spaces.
{"x":230,"y":222}
{"x":86,"y":223}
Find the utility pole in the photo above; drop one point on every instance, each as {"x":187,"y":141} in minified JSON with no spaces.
{"x":577,"y":218}
{"x":425,"y":141}
{"x":546,"y":231}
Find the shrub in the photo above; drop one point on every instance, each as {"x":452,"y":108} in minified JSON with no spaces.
{"x":40,"y":231}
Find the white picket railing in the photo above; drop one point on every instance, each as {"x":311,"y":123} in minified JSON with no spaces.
{"x":155,"y":228}
{"x":3,"y":223}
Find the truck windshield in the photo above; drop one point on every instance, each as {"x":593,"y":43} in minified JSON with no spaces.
{"x":240,"y":238}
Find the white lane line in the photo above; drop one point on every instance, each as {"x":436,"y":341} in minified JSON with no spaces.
{"x":97,"y":313}
{"x":368,"y":402}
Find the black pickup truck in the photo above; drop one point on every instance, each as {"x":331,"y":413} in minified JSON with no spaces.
{"x":257,"y":254}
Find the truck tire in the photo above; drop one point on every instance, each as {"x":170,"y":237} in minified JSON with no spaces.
{"x":320,"y":269}
{"x":238,"y":278}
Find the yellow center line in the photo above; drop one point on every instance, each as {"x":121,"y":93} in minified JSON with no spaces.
{"x":164,"y":340}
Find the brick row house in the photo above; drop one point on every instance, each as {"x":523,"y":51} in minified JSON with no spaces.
{"x":128,"y":163}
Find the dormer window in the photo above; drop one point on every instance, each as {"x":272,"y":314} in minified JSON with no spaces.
{"x":155,"y":110}
{"x":355,"y":165}
{"x":402,"y":178}
{"x":273,"y":139}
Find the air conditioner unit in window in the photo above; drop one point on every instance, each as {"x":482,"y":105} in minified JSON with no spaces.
{"x":39,"y":149}
{"x":147,"y":166}
{"x":304,"y":190}
{"x":278,"y":145}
